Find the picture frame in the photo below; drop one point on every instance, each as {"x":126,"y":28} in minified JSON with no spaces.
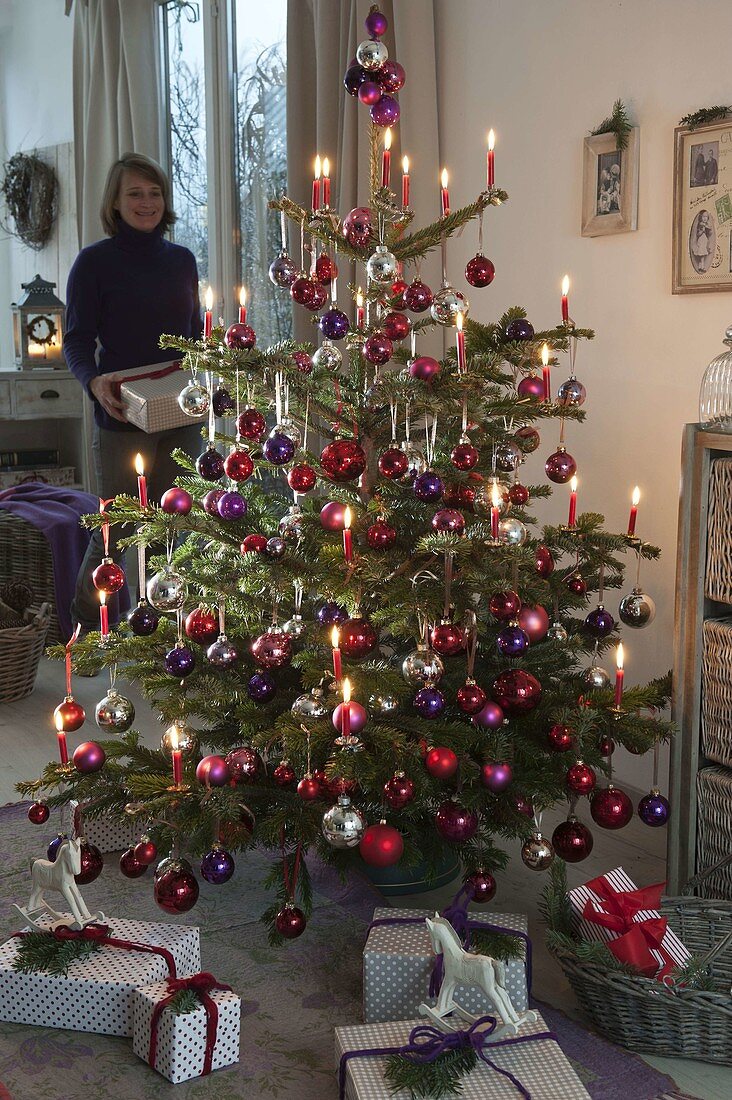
{"x":610,"y":184}
{"x":702,"y":218}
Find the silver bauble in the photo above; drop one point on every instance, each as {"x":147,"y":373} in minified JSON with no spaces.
{"x":289,"y":428}
{"x":295,"y":627}
{"x":537,"y":853}
{"x":114,"y":713}
{"x":371,"y":54}
{"x":167,"y":590}
{"x":221,"y":653}
{"x":381,"y":266}
{"x":571,"y":392}
{"x":383,"y":704}
{"x":179,"y":735}
{"x":283,"y":270}
{"x":275,"y":547}
{"x":511,"y":531}
{"x":596,"y":678}
{"x":290,"y":526}
{"x":507,"y":455}
{"x":328,"y":356}
{"x":422,"y":666}
{"x":483,"y":500}
{"x":343,"y":825}
{"x":172,"y":863}
{"x":416,"y":462}
{"x":310,"y":706}
{"x":446,"y":305}
{"x":637,"y":609}
{"x":193,"y":399}
{"x":557,"y":632}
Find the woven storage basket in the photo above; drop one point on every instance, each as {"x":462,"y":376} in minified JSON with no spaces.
{"x":714,"y":829}
{"x":20,"y":651}
{"x":643,"y":1014}
{"x":717,"y":692}
{"x":26,"y":556}
{"x":718,"y":581}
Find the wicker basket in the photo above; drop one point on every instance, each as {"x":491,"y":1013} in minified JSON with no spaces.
{"x":718,"y":582}
{"x":26,"y":556}
{"x":643,"y":1014}
{"x":714,"y":830}
{"x":717,"y":692}
{"x":20,"y":651}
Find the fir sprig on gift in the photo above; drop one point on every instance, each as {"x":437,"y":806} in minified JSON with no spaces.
{"x":498,"y":945}
{"x":425,"y":1080}
{"x":184,"y":1001}
{"x":40,"y":952}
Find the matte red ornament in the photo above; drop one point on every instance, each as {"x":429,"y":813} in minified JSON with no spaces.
{"x":213,"y":771}
{"x":343,"y":460}
{"x":333,"y":516}
{"x":89,"y":757}
{"x":71,"y":715}
{"x":464,"y":456}
{"x":240,"y":337}
{"x":577,"y":584}
{"x":325,"y":270}
{"x":290,"y":922}
{"x":456,"y":823}
{"x":560,"y":738}
{"x":176,"y":502}
{"x":516,"y":691}
{"x":572,"y":840}
{"x":251,"y":424}
{"x":480,"y":271}
{"x":471,"y":698}
{"x":272,"y":649}
{"x":532,"y":387}
{"x":505,"y":605}
{"x":176,"y":889}
{"x":38,"y":813}
{"x":397,"y":326}
{"x":534,"y":621}
{"x":424,"y":368}
{"x":611,"y":808}
{"x":543,"y":561}
{"x":308,"y":788}
{"x":378,"y":349}
{"x":238,"y":465}
{"x":581,"y":778}
{"x":357,"y":638}
{"x":483,"y":886}
{"x":518,"y":494}
{"x":202,"y":625}
{"x":146,"y":851}
{"x":448,"y":638}
{"x":301,"y":477}
{"x":398,"y":791}
{"x":108,"y":577}
{"x":130,"y":866}
{"x":381,"y":845}
{"x":393,"y":463}
{"x":441,"y":762}
{"x":284,"y":774}
{"x":253,"y":544}
{"x":381,"y":535}
{"x":92,"y":863}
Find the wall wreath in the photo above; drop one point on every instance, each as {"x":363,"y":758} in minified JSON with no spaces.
{"x":30,"y":190}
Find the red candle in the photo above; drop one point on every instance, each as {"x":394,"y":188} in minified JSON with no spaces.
{"x":491,"y":163}
{"x":103,"y":615}
{"x":326,"y":183}
{"x":546,"y":373}
{"x":63,"y":751}
{"x":208,"y":315}
{"x":346,"y":709}
{"x":386,"y":159}
{"x":316,"y":186}
{"x":460,"y":343}
{"x":347,"y":536}
{"x":634,"y":500}
{"x":444,"y":194}
{"x":360,"y":311}
{"x":405,"y":182}
{"x":619,"y":677}
{"x":177,"y":767}
{"x":495,"y":510}
{"x":571,"y":522}
{"x":565,"y":298}
{"x":141,"y":482}
{"x":243,"y":306}
{"x":335,"y":641}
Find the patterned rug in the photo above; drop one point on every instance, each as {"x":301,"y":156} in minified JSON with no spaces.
{"x":291,"y":998}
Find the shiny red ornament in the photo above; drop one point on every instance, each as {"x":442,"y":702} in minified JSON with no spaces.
{"x":343,"y":460}
{"x":272,"y":649}
{"x":202,"y":625}
{"x":480,"y":271}
{"x":516,"y":691}
{"x":534,"y":621}
{"x":518,"y":494}
{"x":244,"y":764}
{"x":303,"y":291}
{"x":340,"y":785}
{"x":448,"y":638}
{"x":108,"y":577}
{"x":38,"y":813}
{"x":381,"y":535}
{"x":483,"y":886}
{"x":251,"y":424}
{"x":253,"y":544}
{"x":398,"y":791}
{"x":146,"y":851}
{"x":89,"y":757}
{"x":308,"y":788}
{"x":130,"y":866}
{"x":284,"y":774}
{"x":577,"y":584}
{"x":605,"y":745}
{"x":459,"y":496}
{"x":378,"y":349}
{"x":302,"y":361}
{"x":581,"y":778}
{"x":290,"y":922}
{"x":301,"y":477}
{"x":381,"y":845}
{"x":176,"y":889}
{"x":325,"y":270}
{"x":240,"y":337}
{"x":560,"y":738}
{"x":543,"y":561}
{"x":357,"y":638}
{"x":397,"y":292}
{"x":523,"y":805}
{"x":527,"y":438}
{"x":92,"y":863}
{"x":456,"y":823}
{"x":393,"y":463}
{"x":611,"y":808}
{"x":238,"y":465}
{"x":449,"y":521}
{"x":418,"y":296}
{"x":504,"y":605}
{"x":464,"y":456}
{"x":397,"y":326}
{"x":333,"y":516}
{"x":572,"y":840}
{"x":441,"y":762}
{"x":471,"y":698}
{"x":70,"y":715}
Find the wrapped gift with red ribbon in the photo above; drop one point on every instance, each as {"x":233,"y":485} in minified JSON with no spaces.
{"x":182,"y":1045}
{"x":150,"y":396}
{"x":613,"y":910}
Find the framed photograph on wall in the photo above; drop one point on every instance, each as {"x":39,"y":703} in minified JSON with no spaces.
{"x":610,"y":185}
{"x":702,"y":241}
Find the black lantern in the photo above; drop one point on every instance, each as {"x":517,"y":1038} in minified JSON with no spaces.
{"x":38,"y":324}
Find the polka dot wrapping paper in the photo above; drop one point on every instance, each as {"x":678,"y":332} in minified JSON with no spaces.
{"x":108,"y":834}
{"x":181,"y":1044}
{"x":398,"y":961}
{"x":540,"y":1066}
{"x":96,"y":994}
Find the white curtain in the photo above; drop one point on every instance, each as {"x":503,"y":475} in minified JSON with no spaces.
{"x":116,"y":96}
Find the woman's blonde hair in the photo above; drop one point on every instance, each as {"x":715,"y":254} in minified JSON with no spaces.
{"x":151,"y":170}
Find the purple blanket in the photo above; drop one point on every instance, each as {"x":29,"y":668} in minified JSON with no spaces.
{"x":55,"y":512}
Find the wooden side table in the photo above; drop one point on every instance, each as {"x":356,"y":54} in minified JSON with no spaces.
{"x":44,"y":409}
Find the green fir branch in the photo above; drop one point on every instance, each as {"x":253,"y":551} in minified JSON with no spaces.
{"x":617,"y":123}
{"x":183,"y":1002}
{"x":424,"y":1080}
{"x":704,"y":116}
{"x":40,"y":952}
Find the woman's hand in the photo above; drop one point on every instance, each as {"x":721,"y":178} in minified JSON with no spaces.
{"x":105,"y":392}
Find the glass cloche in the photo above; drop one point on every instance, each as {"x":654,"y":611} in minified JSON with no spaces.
{"x":715,"y":398}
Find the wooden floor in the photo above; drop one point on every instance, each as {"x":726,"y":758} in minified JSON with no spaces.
{"x":28,"y":741}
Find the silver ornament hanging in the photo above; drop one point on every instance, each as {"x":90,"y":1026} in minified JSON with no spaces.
{"x":283,"y":270}
{"x":416,"y":462}
{"x":289,"y":428}
{"x":537,"y":853}
{"x":507,"y":455}
{"x":595,"y":678}
{"x":422,"y":666}
{"x":446,"y":305}
{"x":179,"y":735}
{"x":114,"y":713}
{"x":383,"y":704}
{"x":343,"y":825}
{"x":167,"y":590}
{"x":328,"y":356}
{"x":557,"y":632}
{"x":637,"y":609}
{"x":295,"y":627}
{"x":194,"y":399}
{"x":172,"y":863}
{"x":483,"y":500}
{"x":511,"y":531}
{"x":571,"y":392}
{"x":381,"y":266}
{"x":275,"y":547}
{"x":309,"y":706}
{"x":221,"y":653}
{"x":371,"y":54}
{"x":290,"y":526}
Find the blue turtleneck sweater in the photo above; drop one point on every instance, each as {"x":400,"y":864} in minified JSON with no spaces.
{"x":125,"y":291}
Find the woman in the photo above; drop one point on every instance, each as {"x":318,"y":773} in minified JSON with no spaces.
{"x":123,"y":293}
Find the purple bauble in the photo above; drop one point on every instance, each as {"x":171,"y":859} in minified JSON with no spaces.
{"x":240,"y":336}
{"x":386,"y":112}
{"x":334,"y":324}
{"x":283,"y":271}
{"x":217,"y":866}
{"x":89,"y":757}
{"x":359,"y":716}
{"x":654,"y":809}
{"x":491,"y":716}
{"x":143,"y":619}
{"x":211,"y":501}
{"x":424,"y":368}
{"x":354,"y":78}
{"x":221,"y":653}
{"x":429,"y":702}
{"x":496,"y":776}
{"x":213,"y":771}
{"x":599,"y":622}
{"x":278,"y":448}
{"x":331,"y":613}
{"x":531,"y":386}
{"x":512,"y":641}
{"x":53,"y":847}
{"x":261,"y":687}
{"x":455,"y":823}
{"x":180,"y":661}
{"x":376,"y":24}
{"x":428,"y":487}
{"x":232,"y":505}
{"x":391,"y":76}
{"x":370,"y":92}
{"x":222,"y":402}
{"x":520,"y":329}
{"x":560,"y":467}
{"x":210,"y":464}
{"x":176,"y":502}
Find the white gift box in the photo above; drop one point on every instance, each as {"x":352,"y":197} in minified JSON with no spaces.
{"x":181,"y":1038}
{"x":539,"y":1065}
{"x":96,"y":993}
{"x":398,"y":961}
{"x":150,"y":396}
{"x":108,"y":834}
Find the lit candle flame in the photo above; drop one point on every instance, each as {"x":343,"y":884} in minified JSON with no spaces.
{"x":444,"y":178}
{"x":326,"y":167}
{"x":359,"y":298}
{"x":573,"y":484}
{"x":387,"y":138}
{"x":405,"y":165}
{"x":620,"y":656}
{"x":335,"y":637}
{"x":58,"y":719}
{"x":495,"y":496}
{"x":139,"y":467}
{"x":347,"y":518}
{"x":565,"y":285}
{"x":346,"y":690}
{"x":491,"y":140}
{"x":173,"y":736}
{"x":243,"y":297}
{"x":209,"y":299}
{"x":545,"y":355}
{"x":636,"y":497}
{"x":317,"y":167}
{"x":459,"y":321}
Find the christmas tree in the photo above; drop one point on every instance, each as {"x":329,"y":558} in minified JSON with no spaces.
{"x":366,"y":649}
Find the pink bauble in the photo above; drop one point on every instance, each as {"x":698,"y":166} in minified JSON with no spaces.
{"x":496,"y":776}
{"x":272,"y":649}
{"x":213,"y":771}
{"x":176,"y":502}
{"x":359,"y":717}
{"x":332,"y":516}
{"x":534,"y":621}
{"x":89,"y":757}
{"x":491,"y":717}
{"x":357,"y":226}
{"x":449,"y":520}
{"x":531,"y":386}
{"x":424,"y":368}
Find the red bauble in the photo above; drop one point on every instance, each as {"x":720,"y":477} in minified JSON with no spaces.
{"x":459,"y":496}
{"x":333,"y":516}
{"x":301,"y":477}
{"x":455,"y":823}
{"x":290,"y":922}
{"x":471,"y":698}
{"x":581,"y":778}
{"x":480,"y":271}
{"x":146,"y":851}
{"x":70,"y":715}
{"x":89,"y":757}
{"x":38,"y":813}
{"x":393,"y":463}
{"x":272,"y":649}
{"x":343,"y":460}
{"x":397,"y":326}
{"x":284,"y":774}
{"x":560,"y":738}
{"x":543,"y":561}
{"x":176,"y":890}
{"x":325,"y":270}
{"x":424,"y":368}
{"x":523,"y":805}
{"x":359,"y":716}
{"x":464,"y":456}
{"x":92,"y":863}
{"x":130,"y":866}
{"x":202,"y":625}
{"x":496,"y":776}
{"x":534,"y":621}
{"x":381,"y":535}
{"x":244,"y":764}
{"x":516,"y":691}
{"x":611,"y":808}
{"x":304,"y":291}
{"x":308,"y":788}
{"x":518,"y":494}
{"x":253,"y":544}
{"x":505,"y":605}
{"x":378,"y":349}
{"x":240,"y":336}
{"x":238,"y":465}
{"x":358,"y":638}
{"x":398,"y":791}
{"x":397,"y":291}
{"x":606,"y":746}
{"x":448,"y":639}
{"x":251,"y":424}
{"x":449,"y":521}
{"x":418,"y":296}
{"x":213,"y":771}
{"x":302,"y":362}
{"x":108,"y":577}
{"x":572,"y":841}
{"x":381,"y":845}
{"x":441,"y":762}
{"x":340,"y":785}
{"x":483,"y":886}
{"x":532,"y":387}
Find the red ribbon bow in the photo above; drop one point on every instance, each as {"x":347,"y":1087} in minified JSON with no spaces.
{"x":201,"y":984}
{"x":99,"y":933}
{"x":162,"y":373}
{"x":634,"y":939}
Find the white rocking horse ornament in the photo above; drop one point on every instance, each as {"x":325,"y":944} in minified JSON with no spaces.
{"x":463,"y":967}
{"x":58,"y":876}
